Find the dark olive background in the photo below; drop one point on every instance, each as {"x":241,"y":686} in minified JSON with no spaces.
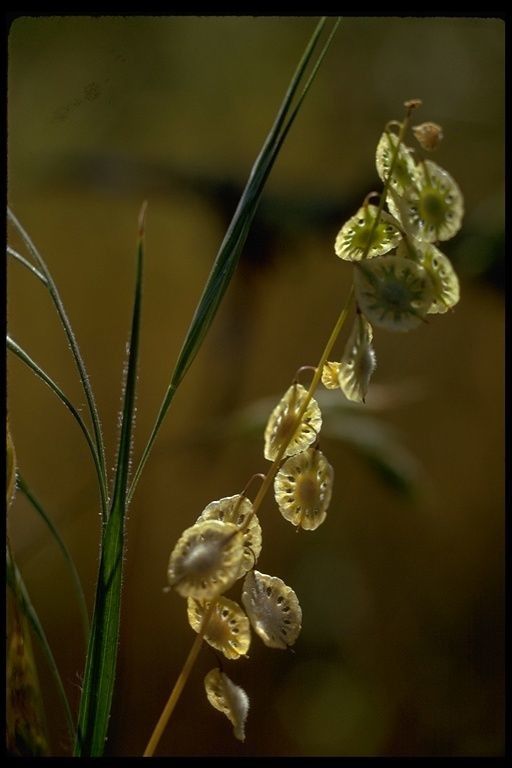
{"x":402,"y":647}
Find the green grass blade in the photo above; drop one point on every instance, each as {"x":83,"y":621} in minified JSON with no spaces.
{"x":236,"y":235}
{"x":100,"y":669}
{"x":59,"y":306}
{"x":16,"y":583}
{"x":25,"y":489}
{"x":22,"y":355}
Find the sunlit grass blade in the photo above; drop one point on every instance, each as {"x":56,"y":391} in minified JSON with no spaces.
{"x":236,"y":235}
{"x":100,"y":669}
{"x":14,"y":347}
{"x":26,"y":263}
{"x":16,"y":583}
{"x":59,"y":306}
{"x":24,"y":488}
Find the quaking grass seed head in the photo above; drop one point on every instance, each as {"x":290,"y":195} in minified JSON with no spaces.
{"x":358,"y":362}
{"x":283,"y":428}
{"x":236,"y":510}
{"x":228,"y":629}
{"x":228,"y":698}
{"x":393,"y":293}
{"x":303,"y":488}
{"x":207,"y":559}
{"x":443,"y":278}
{"x":273,"y":609}
{"x":360,"y":238}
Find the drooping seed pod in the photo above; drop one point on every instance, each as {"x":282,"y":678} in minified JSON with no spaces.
{"x":358,"y":362}
{"x":303,"y":488}
{"x":282,"y":425}
{"x":229,"y":699}
{"x":360,"y":238}
{"x":443,"y":278}
{"x":236,"y":509}
{"x":433,"y":209}
{"x":206,"y":560}
{"x":404,"y":170}
{"x":429,"y":135}
{"x":228,"y":628}
{"x":273,"y":609}
{"x":393,"y":293}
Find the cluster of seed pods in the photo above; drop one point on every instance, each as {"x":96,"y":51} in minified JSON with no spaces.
{"x":400,"y":277}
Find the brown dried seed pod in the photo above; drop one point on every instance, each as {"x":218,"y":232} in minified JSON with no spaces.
{"x":428,"y":135}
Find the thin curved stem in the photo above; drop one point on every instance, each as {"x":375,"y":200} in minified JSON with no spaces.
{"x":22,"y":355}
{"x":24,"y":488}
{"x":179,"y":685}
{"x":54,"y":293}
{"x":26,"y":263}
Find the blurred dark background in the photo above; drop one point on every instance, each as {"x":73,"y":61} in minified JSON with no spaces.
{"x":402,"y":648}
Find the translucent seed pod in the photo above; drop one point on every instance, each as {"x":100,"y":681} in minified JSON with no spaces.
{"x":358,"y":362}
{"x":359,"y":239}
{"x":228,"y":698}
{"x":393,"y":293}
{"x":236,"y":509}
{"x":330,"y":373}
{"x":404,"y":171}
{"x":443,"y":278}
{"x":228,"y":628}
{"x":303,"y":489}
{"x":428,"y":135}
{"x":282,"y":425}
{"x":273,"y":609}
{"x":206,"y":560}
{"x":433,"y":209}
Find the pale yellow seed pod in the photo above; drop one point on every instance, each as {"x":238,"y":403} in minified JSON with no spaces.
{"x":228,"y":629}
{"x":282,"y":427}
{"x":229,"y":699}
{"x":330,"y":373}
{"x":303,"y":489}
{"x":206,"y":560}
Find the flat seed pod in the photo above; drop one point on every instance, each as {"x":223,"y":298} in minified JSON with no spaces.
{"x":281,"y":424}
{"x":358,"y":362}
{"x":206,"y":560}
{"x":358,"y":239}
{"x":229,"y":699}
{"x":303,"y":488}
{"x":393,"y":292}
{"x":228,"y":629}
{"x":435,"y":207}
{"x":273,"y":609}
{"x":236,"y":509}
{"x":443,"y":278}
{"x":404,"y":172}
{"x":330,"y":373}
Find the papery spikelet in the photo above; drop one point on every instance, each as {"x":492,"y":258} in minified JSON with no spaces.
{"x":273,"y":609}
{"x":404,"y":171}
{"x":229,"y":699}
{"x":236,"y":509}
{"x":303,"y":488}
{"x":359,"y":237}
{"x":228,"y":628}
{"x":281,"y":427}
{"x":434,"y":207}
{"x":393,"y":293}
{"x":330,"y":373}
{"x":206,"y":560}
{"x":443,"y":278}
{"x":358,"y":362}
